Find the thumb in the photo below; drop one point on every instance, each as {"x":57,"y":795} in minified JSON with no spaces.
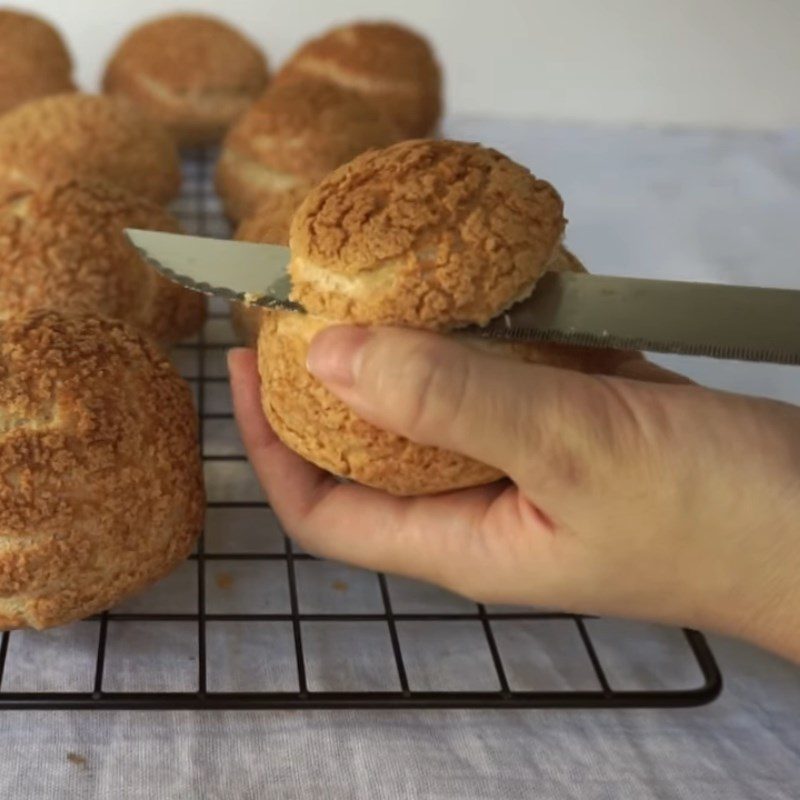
{"x":435,"y":390}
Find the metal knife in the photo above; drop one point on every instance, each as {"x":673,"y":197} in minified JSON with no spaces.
{"x":733,"y":322}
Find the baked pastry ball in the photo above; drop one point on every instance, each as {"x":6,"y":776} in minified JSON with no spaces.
{"x":391,"y":65}
{"x":427,"y":234}
{"x":430,"y":234}
{"x":80,"y":135}
{"x":34,"y":61}
{"x":292,"y":137}
{"x":193,"y":73}
{"x":268,"y":224}
{"x":101,"y":486}
{"x":63,"y":247}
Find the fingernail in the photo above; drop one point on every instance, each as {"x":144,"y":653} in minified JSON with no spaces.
{"x":335,"y":354}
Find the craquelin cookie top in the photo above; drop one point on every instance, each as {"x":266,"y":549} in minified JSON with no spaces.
{"x":434,"y":234}
{"x":62,"y":247}
{"x":100,"y":477}
{"x":67,"y":375}
{"x":81,"y":135}
{"x":190,"y":53}
{"x":380,"y":59}
{"x":308,"y":128}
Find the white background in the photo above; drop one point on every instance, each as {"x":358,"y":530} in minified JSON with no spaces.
{"x":696,"y":62}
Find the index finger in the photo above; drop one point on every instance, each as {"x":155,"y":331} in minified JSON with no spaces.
{"x":426,"y":538}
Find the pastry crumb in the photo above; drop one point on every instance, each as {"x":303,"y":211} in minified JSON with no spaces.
{"x":224,"y":580}
{"x":77,"y":759}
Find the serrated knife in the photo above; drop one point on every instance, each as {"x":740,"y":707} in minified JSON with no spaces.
{"x":732,"y":322}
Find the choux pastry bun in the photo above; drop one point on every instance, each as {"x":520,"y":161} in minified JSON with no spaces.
{"x":62,"y":247}
{"x":80,"y":135}
{"x":292,"y":137}
{"x":101,"y":486}
{"x":427,"y":234}
{"x":392,"y":66}
{"x":194,"y":74}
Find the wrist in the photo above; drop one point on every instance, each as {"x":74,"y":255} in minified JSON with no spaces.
{"x":757,"y":567}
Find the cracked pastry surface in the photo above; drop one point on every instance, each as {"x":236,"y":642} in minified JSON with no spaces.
{"x":86,"y":136}
{"x":34,"y":61}
{"x":101,"y":488}
{"x":63,"y":247}
{"x":394,"y":67}
{"x":292,"y":137}
{"x":424,"y":234}
{"x":193,"y":73}
{"x":432,"y":234}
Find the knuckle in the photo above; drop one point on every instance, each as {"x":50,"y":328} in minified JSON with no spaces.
{"x":432,"y":387}
{"x":554,"y":445}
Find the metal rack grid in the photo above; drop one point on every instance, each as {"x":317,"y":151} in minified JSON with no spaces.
{"x":573,"y":663}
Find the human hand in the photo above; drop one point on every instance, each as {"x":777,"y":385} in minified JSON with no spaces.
{"x":645,"y":498}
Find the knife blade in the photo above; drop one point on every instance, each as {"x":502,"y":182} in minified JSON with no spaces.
{"x":716,"y":320}
{"x":250,"y":273}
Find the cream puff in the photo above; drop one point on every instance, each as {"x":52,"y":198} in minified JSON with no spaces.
{"x":292,"y":137}
{"x":62,"y":247}
{"x":80,"y":135}
{"x":392,"y":66}
{"x":194,"y":74}
{"x":101,"y":483}
{"x":427,"y":234}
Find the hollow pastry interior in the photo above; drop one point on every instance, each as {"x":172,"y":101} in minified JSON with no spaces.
{"x":101,"y":489}
{"x":86,"y":136}
{"x":63,"y":247}
{"x":392,"y":66}
{"x":193,"y":73}
{"x":290,"y":139}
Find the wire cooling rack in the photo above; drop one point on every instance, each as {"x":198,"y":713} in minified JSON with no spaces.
{"x":249,"y":621}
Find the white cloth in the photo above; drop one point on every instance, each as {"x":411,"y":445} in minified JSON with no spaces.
{"x":701,"y":205}
{"x":744,"y":747}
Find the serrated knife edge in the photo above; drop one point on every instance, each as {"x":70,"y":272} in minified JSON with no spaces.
{"x":715,"y":320}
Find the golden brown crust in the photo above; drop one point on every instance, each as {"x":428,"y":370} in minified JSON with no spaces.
{"x":78,"y":135}
{"x":34,"y":61}
{"x":391,"y":65}
{"x":63,"y":248}
{"x":101,"y":487}
{"x":243,"y":185}
{"x":322,"y":429}
{"x":269,"y":224}
{"x":291,"y":138}
{"x":270,"y":221}
{"x":28,"y":34}
{"x":193,"y":73}
{"x":431,"y":234}
{"x":24,"y":80}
